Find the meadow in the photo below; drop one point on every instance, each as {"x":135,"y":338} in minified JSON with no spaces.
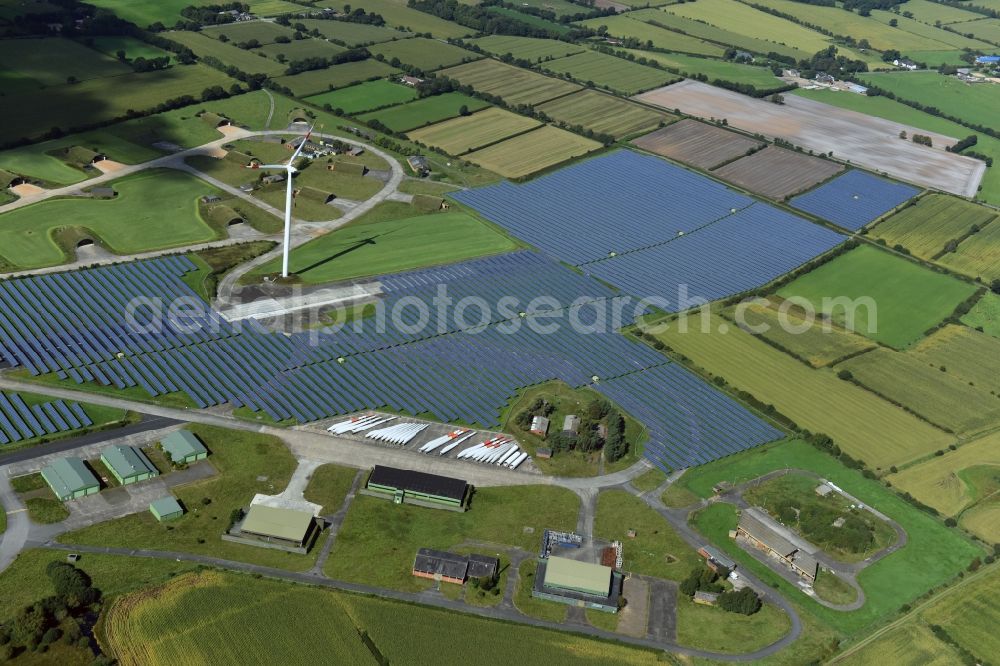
{"x":985,"y":315}
{"x":663,"y":18}
{"x":758,"y":77}
{"x":337,"y":76}
{"x":300,"y":49}
{"x":932,"y":556}
{"x":977,"y":256}
{"x":972,"y":103}
{"x":927,"y":11}
{"x":624,"y":25}
{"x":374,"y":245}
{"x":862,"y":424}
{"x":987,"y":29}
{"x":611,"y":72}
{"x":144,"y":13}
{"x":926,"y":227}
{"x":529,"y":19}
{"x":604,"y":114}
{"x":461,"y":135}
{"x":909,"y":644}
{"x":533,"y":151}
{"x":526,"y":48}
{"x":125,"y":224}
{"x":133,"y":47}
{"x":264,"y":32}
{"x":241,"y":59}
{"x":967,"y":354}
{"x":426,"y":54}
{"x":50,"y":61}
{"x":398,"y":15}
{"x":425,"y":111}
{"x":353,"y":34}
{"x":365,"y":96}
{"x":512,"y":84}
{"x":329,"y":486}
{"x":908,"y":298}
{"x":956,"y":40}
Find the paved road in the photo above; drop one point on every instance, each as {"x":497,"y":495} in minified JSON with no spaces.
{"x":18,"y":526}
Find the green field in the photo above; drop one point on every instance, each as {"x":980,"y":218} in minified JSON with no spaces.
{"x":365,"y":96}
{"x":624,"y":25}
{"x":526,"y":48}
{"x":972,"y":103}
{"x":50,"y":61}
{"x":353,"y":34}
{"x":906,"y":298}
{"x":426,"y":54}
{"x":338,"y":76}
{"x":979,"y":255}
{"x":461,"y":135}
{"x":928,"y":11}
{"x":662,"y":18}
{"x":133,"y":48}
{"x":125,"y":224}
{"x":910,"y":644}
{"x":530,"y":19}
{"x":610,"y":72}
{"x":953,"y":39}
{"x":926,"y":228}
{"x":363,"y":249}
{"x":852,"y":416}
{"x":300,"y":49}
{"x":329,"y":485}
{"x":264,"y":32}
{"x":241,"y":59}
{"x":273,"y":7}
{"x":970,"y":356}
{"x":513,"y":84}
{"x":143,"y":13}
{"x":932,"y":556}
{"x":711,"y":628}
{"x":759,"y":77}
{"x":398,"y":15}
{"x":425,"y":111}
{"x":987,"y":29}
{"x":604,"y":114}
{"x":560,"y":7}
{"x":533,"y":151}
{"x":985,"y":315}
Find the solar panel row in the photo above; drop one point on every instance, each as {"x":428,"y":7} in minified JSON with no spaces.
{"x":854,"y":199}
{"x":20,"y":421}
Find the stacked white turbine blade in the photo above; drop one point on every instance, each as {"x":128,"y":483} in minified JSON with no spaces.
{"x":349,"y":424}
{"x":517,"y":461}
{"x":401,"y":433}
{"x":510,"y":455}
{"x":444,"y":439}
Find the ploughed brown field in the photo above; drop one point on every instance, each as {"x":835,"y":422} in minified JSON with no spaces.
{"x":778,"y":173}
{"x":697,"y":144}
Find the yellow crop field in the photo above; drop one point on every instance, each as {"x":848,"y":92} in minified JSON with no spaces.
{"x":539,"y":149}
{"x":460,"y":135}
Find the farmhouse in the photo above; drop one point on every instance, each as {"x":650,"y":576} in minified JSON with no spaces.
{"x":452,"y":568}
{"x":183,"y":447}
{"x":420,"y":488}
{"x":166,"y":508}
{"x":578,"y":584}
{"x":762,"y":532}
{"x":905,"y":63}
{"x":128,"y":464}
{"x":69,"y":479}
{"x":539,"y":426}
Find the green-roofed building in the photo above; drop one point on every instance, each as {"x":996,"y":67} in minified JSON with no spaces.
{"x":183,"y":447}
{"x":288,"y":529}
{"x":166,"y":508}
{"x":578,"y":583}
{"x":69,"y":479}
{"x":128,"y":464}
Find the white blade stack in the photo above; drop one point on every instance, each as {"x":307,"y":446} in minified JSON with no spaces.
{"x":401,"y":433}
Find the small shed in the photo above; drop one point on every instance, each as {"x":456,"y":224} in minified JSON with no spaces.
{"x":543,"y":452}
{"x":273,"y":178}
{"x":166,"y":508}
{"x":418,"y":164}
{"x":823,"y":489}
{"x":183,"y":447}
{"x":128,"y":464}
{"x":69,"y":479}
{"x":539,"y":426}
{"x":356,"y":151}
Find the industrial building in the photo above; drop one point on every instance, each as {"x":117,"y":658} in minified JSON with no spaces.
{"x":431,"y":490}
{"x":183,"y":447}
{"x":287,"y":528}
{"x":578,"y":584}
{"x":759,"y":530}
{"x":69,"y":479}
{"x":128,"y":464}
{"x":452,"y":568}
{"x":166,"y":508}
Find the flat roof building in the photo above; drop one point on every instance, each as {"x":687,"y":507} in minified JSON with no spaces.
{"x":421,"y":488}
{"x":69,"y":479}
{"x":183,"y":447}
{"x":128,"y":464}
{"x":452,"y":568}
{"x":289,"y":527}
{"x":166,"y":508}
{"x":578,"y":583}
{"x":571,"y":423}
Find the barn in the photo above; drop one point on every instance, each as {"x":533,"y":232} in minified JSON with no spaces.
{"x":128,"y":464}
{"x":69,"y":479}
{"x":421,"y":488}
{"x":166,"y":508}
{"x":290,"y":528}
{"x":183,"y":447}
{"x":452,"y":568}
{"x":578,"y":584}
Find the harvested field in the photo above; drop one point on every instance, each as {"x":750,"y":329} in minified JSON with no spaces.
{"x":264,"y":32}
{"x":696,"y":143}
{"x":426,"y":54}
{"x":971,"y":356}
{"x":868,"y":141}
{"x":610,"y":71}
{"x":978,"y":255}
{"x":926,"y":228}
{"x":526,"y":48}
{"x":353,"y":34}
{"x":300,"y":49}
{"x":513,"y":84}
{"x":461,"y":135}
{"x":539,"y":149}
{"x":604,"y":114}
{"x":778,"y":173}
{"x":625,"y":25}
{"x":338,"y":76}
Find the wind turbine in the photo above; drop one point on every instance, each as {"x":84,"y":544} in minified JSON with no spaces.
{"x":290,"y":171}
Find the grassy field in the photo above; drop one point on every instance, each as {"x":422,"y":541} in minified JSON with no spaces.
{"x":927,"y":11}
{"x":978,"y":255}
{"x":404,"y":242}
{"x":125,"y":224}
{"x":648,"y":480}
{"x":661,"y":17}
{"x":528,"y":153}
{"x":353,"y":34}
{"x":241,"y":458}
{"x":711,"y":628}
{"x":932,"y":556}
{"x":853,"y":417}
{"x":926,"y":228}
{"x":247,"y":61}
{"x":426,"y":111}
{"x":908,"y":298}
{"x":51,"y":61}
{"x":133,"y":48}
{"x":968,"y":355}
{"x":398,"y":15}
{"x":526,"y":48}
{"x":378,"y":540}
{"x":143,"y":13}
{"x":365,"y":96}
{"x":610,"y":72}
{"x":985,"y":315}
{"x":513,"y":84}
{"x":329,"y":485}
{"x":338,"y":76}
{"x":911,"y":644}
{"x":529,"y":19}
{"x":461,"y":135}
{"x":983,"y":28}
{"x":624,"y":25}
{"x":759,"y":77}
{"x":426,"y":54}
{"x":970,"y":102}
{"x":939,"y":397}
{"x":603,"y":114}
{"x":264,"y":32}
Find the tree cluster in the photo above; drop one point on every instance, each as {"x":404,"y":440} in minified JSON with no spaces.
{"x":359,"y":15}
{"x":745,"y":601}
{"x":213,"y":14}
{"x":318,"y":62}
{"x":481,"y":19}
{"x":967,"y":142}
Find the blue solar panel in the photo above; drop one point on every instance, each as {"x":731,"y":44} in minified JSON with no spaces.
{"x":19,"y":421}
{"x":854,"y":199}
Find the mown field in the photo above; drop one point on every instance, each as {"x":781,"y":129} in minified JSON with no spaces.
{"x":398,"y":15}
{"x":624,"y":25}
{"x":862,"y":424}
{"x":51,"y":61}
{"x":611,"y":72}
{"x":427,"y":54}
{"x":353,"y":34}
{"x":526,"y":48}
{"x":365,"y":96}
{"x":604,"y":114}
{"x":533,"y":151}
{"x":761,"y":78}
{"x":987,"y":29}
{"x":133,"y":47}
{"x":985,"y":315}
{"x":978,"y":255}
{"x":906,"y":299}
{"x":461,"y":135}
{"x":927,"y":227}
{"x":300,"y":49}
{"x":264,"y":32}
{"x":662,"y":17}
{"x":972,"y":103}
{"x":143,"y":13}
{"x":337,"y":76}
{"x":425,"y":111}
{"x":932,"y":556}
{"x":969,"y":355}
{"x":373,"y":246}
{"x":928,"y":11}
{"x":243,"y":60}
{"x":513,"y":84}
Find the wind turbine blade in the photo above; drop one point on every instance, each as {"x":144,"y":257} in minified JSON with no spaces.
{"x":302,"y":145}
{"x":283,"y":167}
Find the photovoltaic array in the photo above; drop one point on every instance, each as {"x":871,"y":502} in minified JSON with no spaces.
{"x":854,"y":199}
{"x":20,"y":421}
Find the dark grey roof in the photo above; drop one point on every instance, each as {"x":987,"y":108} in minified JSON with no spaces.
{"x":421,"y":482}
{"x":449,"y":565}
{"x":755,"y":527}
{"x":482,"y":566}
